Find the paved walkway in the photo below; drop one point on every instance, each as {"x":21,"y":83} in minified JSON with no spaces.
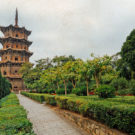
{"x":46,"y":121}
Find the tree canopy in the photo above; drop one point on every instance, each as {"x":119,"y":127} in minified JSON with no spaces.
{"x":128,"y":51}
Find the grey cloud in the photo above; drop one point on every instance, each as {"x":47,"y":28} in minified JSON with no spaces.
{"x":77,"y":27}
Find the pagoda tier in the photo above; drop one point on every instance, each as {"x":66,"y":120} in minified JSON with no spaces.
{"x":15,"y":40}
{"x":13,"y":28}
{"x":3,"y":51}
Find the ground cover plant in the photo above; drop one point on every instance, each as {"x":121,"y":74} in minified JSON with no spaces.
{"x":13,"y":117}
{"x":115,"y":112}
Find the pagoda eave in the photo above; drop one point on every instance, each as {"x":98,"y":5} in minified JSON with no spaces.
{"x":11,"y":39}
{"x":2,"y":51}
{"x":4,"y":29}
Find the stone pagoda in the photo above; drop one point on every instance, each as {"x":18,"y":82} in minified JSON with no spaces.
{"x":14,"y":53}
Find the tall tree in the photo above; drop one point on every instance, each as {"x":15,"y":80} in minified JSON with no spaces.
{"x":128,"y":51}
{"x":86,"y":73}
{"x":43,"y":64}
{"x":61,"y":60}
{"x":27,"y":74}
{"x":65,"y":76}
{"x":73,"y":68}
{"x":100,"y":65}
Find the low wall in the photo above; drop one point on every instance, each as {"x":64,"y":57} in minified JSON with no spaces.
{"x":91,"y":126}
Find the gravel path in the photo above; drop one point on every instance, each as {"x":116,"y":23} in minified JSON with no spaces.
{"x":46,"y":121}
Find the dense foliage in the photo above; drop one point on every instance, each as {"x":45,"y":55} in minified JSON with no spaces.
{"x":124,"y":60}
{"x":105,"y":91}
{"x":5,"y":87}
{"x":80,"y":91}
{"x":13,"y":117}
{"x":115,"y":112}
{"x":128,"y":51}
{"x":65,"y":73}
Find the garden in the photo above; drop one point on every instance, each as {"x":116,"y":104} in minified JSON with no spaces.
{"x":117,"y":113}
{"x":100,"y":88}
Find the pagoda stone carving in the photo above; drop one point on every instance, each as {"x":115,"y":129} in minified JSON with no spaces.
{"x":14,"y":53}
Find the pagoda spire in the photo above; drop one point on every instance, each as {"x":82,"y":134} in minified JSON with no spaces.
{"x":16,"y":18}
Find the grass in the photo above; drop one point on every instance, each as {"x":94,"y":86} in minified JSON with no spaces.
{"x":13,"y":117}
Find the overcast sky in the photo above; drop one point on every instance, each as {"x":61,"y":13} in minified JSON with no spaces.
{"x":72,"y":27}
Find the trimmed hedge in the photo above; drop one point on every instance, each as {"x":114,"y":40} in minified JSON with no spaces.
{"x":120,"y":99}
{"x":34,"y":96}
{"x":13,"y":117}
{"x":116,"y":115}
{"x":50,"y":99}
{"x":105,"y":91}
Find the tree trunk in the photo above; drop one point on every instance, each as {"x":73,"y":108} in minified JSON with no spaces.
{"x":58,"y":86}
{"x":74,"y":84}
{"x":87,"y":85}
{"x":65,"y":87}
{"x":132,"y":74}
{"x":97,"y":81}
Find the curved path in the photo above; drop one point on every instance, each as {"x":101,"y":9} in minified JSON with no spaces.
{"x":46,"y":121}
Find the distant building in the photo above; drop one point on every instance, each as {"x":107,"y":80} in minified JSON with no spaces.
{"x":14,"y":53}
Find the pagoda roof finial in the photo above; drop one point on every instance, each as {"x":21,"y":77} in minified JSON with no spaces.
{"x":16,"y":18}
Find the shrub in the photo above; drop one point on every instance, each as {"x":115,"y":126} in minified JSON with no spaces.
{"x":115,"y":84}
{"x":123,"y":99}
{"x":132,"y":86}
{"x":50,"y":99}
{"x":75,"y":104}
{"x":45,"y":91}
{"x":62,"y":101}
{"x":124,"y":92}
{"x":120,"y":83}
{"x":77,"y":91}
{"x":105,"y":91}
{"x":92,"y":87}
{"x":82,"y":91}
{"x":31,"y":91}
{"x":107,"y":78}
{"x":62,"y":91}
{"x":123,"y":83}
{"x":35,"y":96}
{"x":39,"y":91}
{"x":113,"y":112}
{"x":51,"y":91}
